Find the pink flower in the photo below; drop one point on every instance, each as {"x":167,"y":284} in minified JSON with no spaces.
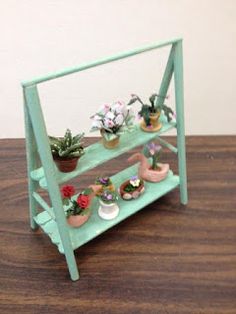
{"x":108,"y":123}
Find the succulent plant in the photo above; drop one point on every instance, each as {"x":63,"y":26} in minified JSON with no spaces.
{"x":153,"y":108}
{"x":67,"y":147}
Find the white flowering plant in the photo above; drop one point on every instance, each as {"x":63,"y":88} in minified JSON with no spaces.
{"x":113,"y":120}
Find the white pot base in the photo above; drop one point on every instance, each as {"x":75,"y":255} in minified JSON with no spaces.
{"x":108,"y":215}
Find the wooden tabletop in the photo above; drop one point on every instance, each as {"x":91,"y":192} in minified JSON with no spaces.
{"x":167,"y":258}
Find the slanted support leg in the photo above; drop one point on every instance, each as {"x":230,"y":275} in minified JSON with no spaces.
{"x":179,"y":97}
{"x":32,"y":163}
{"x":165,"y":83}
{"x":41,"y":138}
{"x":71,"y":264}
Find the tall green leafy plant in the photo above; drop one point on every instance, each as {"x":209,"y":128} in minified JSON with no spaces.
{"x":152,"y":108}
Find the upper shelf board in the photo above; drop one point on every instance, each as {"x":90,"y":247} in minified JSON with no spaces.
{"x":96,"y":154}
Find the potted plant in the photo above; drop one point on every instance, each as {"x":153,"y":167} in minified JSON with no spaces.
{"x":67,"y":150}
{"x":155,"y":171}
{"x":108,"y":207}
{"x":151,"y":113}
{"x":112,"y":121}
{"x":78,"y":210}
{"x":132,"y":188}
{"x":104,"y":183}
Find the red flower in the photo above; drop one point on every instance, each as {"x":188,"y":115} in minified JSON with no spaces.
{"x":83,"y":201}
{"x":67,"y":191}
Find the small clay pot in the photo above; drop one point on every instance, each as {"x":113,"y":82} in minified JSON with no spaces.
{"x":155,"y":124}
{"x":109,"y":144}
{"x":66,"y":164}
{"x":77,"y":220}
{"x":155,"y":175}
{"x":130,"y":195}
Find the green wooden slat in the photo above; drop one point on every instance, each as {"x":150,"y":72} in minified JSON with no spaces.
{"x":43,"y":204}
{"x":96,"y":154}
{"x":167,"y":145}
{"x":89,"y":65}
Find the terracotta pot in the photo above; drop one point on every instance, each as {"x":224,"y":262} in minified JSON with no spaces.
{"x":66,"y":164}
{"x":146,"y":173}
{"x":110,"y":144}
{"x":155,"y":124}
{"x":108,"y":211}
{"x":77,"y":220}
{"x":155,"y":175}
{"x":110,"y":187}
{"x":130,"y":195}
{"x":97,"y":188}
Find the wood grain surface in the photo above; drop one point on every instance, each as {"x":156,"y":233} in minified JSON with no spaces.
{"x":165,"y":259}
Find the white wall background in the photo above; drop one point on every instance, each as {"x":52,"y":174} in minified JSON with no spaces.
{"x":37,"y":37}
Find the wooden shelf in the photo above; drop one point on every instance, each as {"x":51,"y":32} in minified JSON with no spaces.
{"x":96,"y":154}
{"x":95,"y":225}
{"x":38,"y":148}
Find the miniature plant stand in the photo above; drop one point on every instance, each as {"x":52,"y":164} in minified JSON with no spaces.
{"x":43,"y":174}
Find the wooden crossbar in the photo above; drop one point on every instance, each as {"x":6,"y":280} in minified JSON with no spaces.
{"x":93,"y":64}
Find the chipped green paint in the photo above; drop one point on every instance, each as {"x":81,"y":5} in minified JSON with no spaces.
{"x":42,"y":172}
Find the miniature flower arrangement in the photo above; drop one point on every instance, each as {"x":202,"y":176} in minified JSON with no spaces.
{"x":108,"y":207}
{"x":132,"y":189}
{"x":67,"y":150}
{"x":154,"y":172}
{"x":78,"y":210}
{"x":105,"y":183}
{"x":112,"y":121}
{"x":151,"y":113}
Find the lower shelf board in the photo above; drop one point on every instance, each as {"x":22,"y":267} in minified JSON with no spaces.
{"x":95,"y":225}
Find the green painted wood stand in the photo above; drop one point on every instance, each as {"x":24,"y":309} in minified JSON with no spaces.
{"x":42,"y":173}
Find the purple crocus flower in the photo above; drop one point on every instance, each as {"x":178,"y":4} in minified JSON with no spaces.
{"x":109,"y":197}
{"x":104,"y":180}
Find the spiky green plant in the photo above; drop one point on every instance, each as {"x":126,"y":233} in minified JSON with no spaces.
{"x":68,"y":146}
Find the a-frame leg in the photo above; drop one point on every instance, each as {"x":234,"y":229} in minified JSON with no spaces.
{"x":179,"y":98}
{"x":32,"y":164}
{"x":165,"y":83}
{"x":38,"y":124}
